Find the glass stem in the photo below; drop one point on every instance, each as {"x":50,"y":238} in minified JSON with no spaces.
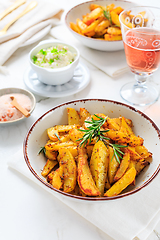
{"x":141,"y":80}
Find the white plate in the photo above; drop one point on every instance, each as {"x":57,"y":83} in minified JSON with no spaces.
{"x":79,"y":81}
{"x":39,"y":35}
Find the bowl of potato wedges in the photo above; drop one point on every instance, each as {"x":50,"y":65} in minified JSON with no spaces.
{"x":93,"y":150}
{"x":96,"y":23}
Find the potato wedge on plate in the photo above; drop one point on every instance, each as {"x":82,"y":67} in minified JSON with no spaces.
{"x":122,"y":183}
{"x":85,"y":179}
{"x":69,"y":169}
{"x":99,"y":165}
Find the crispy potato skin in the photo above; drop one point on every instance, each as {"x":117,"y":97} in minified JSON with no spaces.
{"x":99,"y":165}
{"x":85,"y":179}
{"x":50,"y":164}
{"x":73,"y":116}
{"x":83,"y":114}
{"x":51,"y":155}
{"x":113,"y":166}
{"x":57,"y":180}
{"x":70,"y":169}
{"x":123,"y":166}
{"x":122,"y":183}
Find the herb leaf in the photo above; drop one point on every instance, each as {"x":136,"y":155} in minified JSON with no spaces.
{"x":34,"y":59}
{"x":94,"y":131}
{"x":107,"y":15}
{"x":57,"y":136}
{"x":42,"y":150}
{"x":43,"y":52}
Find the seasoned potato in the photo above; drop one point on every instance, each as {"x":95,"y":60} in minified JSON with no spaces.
{"x":69,"y":169}
{"x":93,"y":15}
{"x":123,"y":166}
{"x":50,"y":164}
{"x":110,"y":37}
{"x":114,"y":31}
{"x":54,"y":132}
{"x":97,"y":22}
{"x":115,"y":19}
{"x":108,"y":163}
{"x":75,"y":134}
{"x":113,"y":166}
{"x":122,"y":183}
{"x":85,"y":179}
{"x":73,"y":117}
{"x":55,"y":146}
{"x":99,"y":165}
{"x":57,"y":179}
{"x":83,"y":114}
{"x":51,"y":155}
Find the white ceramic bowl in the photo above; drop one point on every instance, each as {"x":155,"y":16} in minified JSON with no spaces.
{"x":143,"y":126}
{"x":56,"y":76}
{"x":4,"y":91}
{"x":82,"y":9}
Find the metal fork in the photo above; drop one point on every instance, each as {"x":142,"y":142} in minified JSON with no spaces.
{"x":15,"y":5}
{"x":26,"y":10}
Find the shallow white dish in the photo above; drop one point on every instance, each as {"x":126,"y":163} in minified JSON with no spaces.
{"x":82,"y":9}
{"x":36,"y":37}
{"x":4,"y":91}
{"x":79,"y":81}
{"x":143,"y":126}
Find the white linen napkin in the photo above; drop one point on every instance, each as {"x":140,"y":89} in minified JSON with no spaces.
{"x":132,"y":217}
{"x":44,"y":14}
{"x":112,"y":63}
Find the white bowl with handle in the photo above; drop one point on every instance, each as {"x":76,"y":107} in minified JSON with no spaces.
{"x":56,"y":76}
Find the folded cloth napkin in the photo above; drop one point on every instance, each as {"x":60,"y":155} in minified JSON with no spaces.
{"x":44,"y":14}
{"x":112,"y":63}
{"x":132,"y":217}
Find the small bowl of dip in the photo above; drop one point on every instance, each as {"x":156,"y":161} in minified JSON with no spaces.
{"x":8,"y":113}
{"x":54,"y":61}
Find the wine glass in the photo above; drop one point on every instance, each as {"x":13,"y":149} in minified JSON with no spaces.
{"x":141,"y":37}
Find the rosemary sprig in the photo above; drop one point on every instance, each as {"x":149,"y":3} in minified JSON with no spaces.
{"x":94,"y":131}
{"x":107,"y":15}
{"x":42,"y":150}
{"x":57,"y":136}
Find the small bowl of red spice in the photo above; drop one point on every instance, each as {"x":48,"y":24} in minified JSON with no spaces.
{"x":9,"y":113}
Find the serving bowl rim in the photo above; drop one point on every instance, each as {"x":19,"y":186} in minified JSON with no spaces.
{"x":85,"y":37}
{"x":54,"y":70}
{"x":30,"y":95}
{"x":26,"y":158}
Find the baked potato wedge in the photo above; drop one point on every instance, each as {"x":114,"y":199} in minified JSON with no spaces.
{"x":83,"y":114}
{"x":50,"y":164}
{"x":69,"y":169}
{"x":113,"y":166}
{"x":57,"y":179}
{"x":99,"y":165}
{"x":85,"y":180}
{"x":73,"y":116}
{"x":51,"y":155}
{"x":123,"y":166}
{"x":122,"y":183}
